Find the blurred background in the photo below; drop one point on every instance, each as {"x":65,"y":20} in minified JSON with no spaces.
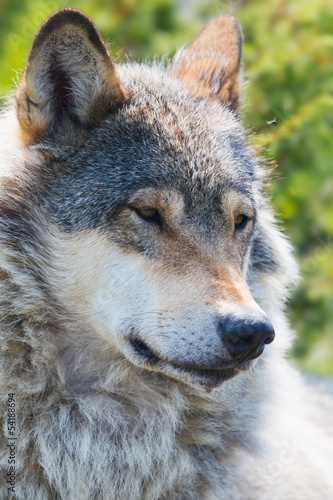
{"x":287,"y":108}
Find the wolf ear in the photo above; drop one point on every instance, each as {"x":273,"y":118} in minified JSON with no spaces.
{"x":69,"y":78}
{"x":210,"y":66}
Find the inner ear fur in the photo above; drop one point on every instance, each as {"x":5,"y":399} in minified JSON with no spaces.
{"x":69,"y":77}
{"x":210,"y":66}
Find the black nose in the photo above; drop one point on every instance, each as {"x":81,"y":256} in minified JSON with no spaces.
{"x":245,"y":337}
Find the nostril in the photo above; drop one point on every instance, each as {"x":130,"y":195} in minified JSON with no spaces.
{"x":269,"y":339}
{"x":237,"y":345}
{"x":243,"y":340}
{"x":264,"y":332}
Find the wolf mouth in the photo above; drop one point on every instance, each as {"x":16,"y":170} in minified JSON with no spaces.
{"x":142,"y":349}
{"x":205,"y":376}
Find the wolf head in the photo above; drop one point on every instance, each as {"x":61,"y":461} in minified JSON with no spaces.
{"x":159,"y":242}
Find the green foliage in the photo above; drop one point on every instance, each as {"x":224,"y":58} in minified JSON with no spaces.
{"x":288,"y":61}
{"x":288,"y":67}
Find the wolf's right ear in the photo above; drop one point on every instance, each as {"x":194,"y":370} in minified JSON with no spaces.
{"x":210,"y":66}
{"x":69,"y":78}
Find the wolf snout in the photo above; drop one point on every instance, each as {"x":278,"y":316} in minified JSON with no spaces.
{"x":245,"y":337}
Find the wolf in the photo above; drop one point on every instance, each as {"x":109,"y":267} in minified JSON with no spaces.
{"x":143,"y":285}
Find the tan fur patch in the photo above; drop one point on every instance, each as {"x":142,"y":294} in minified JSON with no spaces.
{"x":210,"y":66}
{"x":166,"y":201}
{"x":238,"y":203}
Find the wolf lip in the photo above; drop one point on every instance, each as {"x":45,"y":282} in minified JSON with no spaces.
{"x":209,"y":378}
{"x":142,"y":349}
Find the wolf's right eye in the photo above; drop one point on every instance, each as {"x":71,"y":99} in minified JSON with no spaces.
{"x":149,"y":214}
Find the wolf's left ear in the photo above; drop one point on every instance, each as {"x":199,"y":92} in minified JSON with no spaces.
{"x":69,"y":78}
{"x":210,"y":66}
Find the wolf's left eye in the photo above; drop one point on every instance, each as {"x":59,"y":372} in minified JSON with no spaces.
{"x":240,"y":221}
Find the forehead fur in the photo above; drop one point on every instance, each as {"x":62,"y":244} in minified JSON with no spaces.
{"x":162,"y":136}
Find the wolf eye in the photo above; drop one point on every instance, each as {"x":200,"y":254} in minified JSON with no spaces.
{"x":240,"y":221}
{"x":149,"y":214}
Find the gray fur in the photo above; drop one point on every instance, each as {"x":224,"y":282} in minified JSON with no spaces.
{"x":92,"y":422}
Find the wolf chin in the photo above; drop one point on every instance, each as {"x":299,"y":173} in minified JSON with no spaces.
{"x":143,"y":284}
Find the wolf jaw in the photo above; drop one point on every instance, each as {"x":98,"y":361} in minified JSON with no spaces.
{"x":91,"y":152}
